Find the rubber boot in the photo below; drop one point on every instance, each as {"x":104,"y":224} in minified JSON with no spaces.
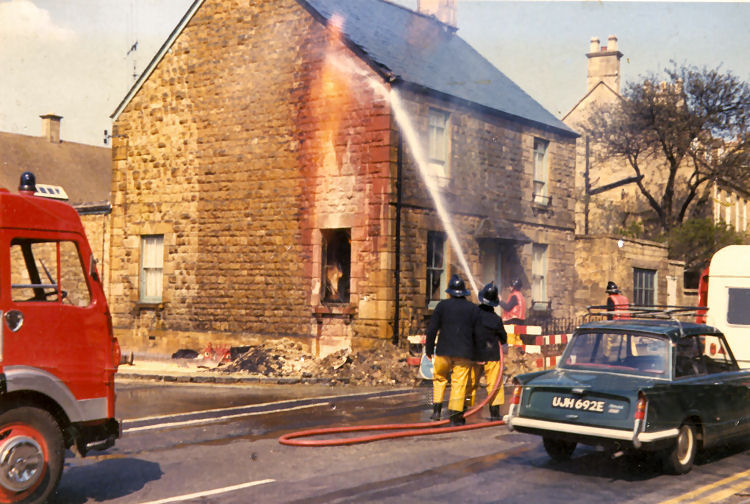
{"x":457,"y":417}
{"x":495,"y":413}
{"x":436,"y":408}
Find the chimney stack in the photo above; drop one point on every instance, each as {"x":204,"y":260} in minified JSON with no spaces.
{"x":51,"y":127}
{"x":604,"y":64}
{"x":443,"y":10}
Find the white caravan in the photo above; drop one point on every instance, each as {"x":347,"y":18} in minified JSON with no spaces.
{"x":729,"y":298}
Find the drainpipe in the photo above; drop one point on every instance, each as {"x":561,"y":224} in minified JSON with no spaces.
{"x":397,"y":272}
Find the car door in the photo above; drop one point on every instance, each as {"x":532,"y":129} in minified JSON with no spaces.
{"x":54,"y":326}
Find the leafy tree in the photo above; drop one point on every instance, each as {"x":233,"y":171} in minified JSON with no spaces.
{"x":695,"y":241}
{"x":681,"y":132}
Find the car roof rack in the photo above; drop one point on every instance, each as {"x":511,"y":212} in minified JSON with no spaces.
{"x":660,"y":312}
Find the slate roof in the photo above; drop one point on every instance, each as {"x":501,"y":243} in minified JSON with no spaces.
{"x":422,"y":51}
{"x":84,"y":171}
{"x":411,"y":48}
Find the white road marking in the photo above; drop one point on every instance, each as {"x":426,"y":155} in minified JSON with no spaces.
{"x":323,"y":398}
{"x":206,"y":493}
{"x":167,"y":425}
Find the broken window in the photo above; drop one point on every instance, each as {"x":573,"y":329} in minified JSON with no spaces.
{"x":436,"y":282}
{"x":152,"y":268}
{"x":337,"y":253}
{"x":541,"y":168}
{"x":49,"y":271}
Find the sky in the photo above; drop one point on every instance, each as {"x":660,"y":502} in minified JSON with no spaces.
{"x":73,"y":57}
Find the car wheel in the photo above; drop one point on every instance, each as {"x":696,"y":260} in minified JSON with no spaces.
{"x":558,"y":449}
{"x":680,"y":457}
{"x":31,"y":455}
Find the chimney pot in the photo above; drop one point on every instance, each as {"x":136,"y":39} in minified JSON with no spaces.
{"x":594,"y":47}
{"x":612,"y":43}
{"x":51,"y":127}
{"x":443,"y":10}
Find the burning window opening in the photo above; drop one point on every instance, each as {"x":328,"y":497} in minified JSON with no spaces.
{"x":336,"y":265}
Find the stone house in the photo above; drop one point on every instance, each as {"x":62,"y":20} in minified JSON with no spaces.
{"x":83,"y":172}
{"x":282,"y":166}
{"x":641,"y":268}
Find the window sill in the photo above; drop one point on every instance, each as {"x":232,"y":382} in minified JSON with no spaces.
{"x":334,"y":311}
{"x":141,"y":305}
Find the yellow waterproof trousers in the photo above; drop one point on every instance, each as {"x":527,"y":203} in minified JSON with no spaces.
{"x":459,"y":369}
{"x":491,"y":370}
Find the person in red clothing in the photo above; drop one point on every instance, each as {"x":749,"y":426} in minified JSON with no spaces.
{"x":616,"y":301}
{"x":514,"y":311}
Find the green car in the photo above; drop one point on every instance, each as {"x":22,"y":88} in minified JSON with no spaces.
{"x":637,"y":384}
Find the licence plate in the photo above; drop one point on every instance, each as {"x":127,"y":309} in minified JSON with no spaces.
{"x":578,"y":404}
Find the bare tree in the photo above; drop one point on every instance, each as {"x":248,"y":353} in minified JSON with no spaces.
{"x":681,"y":132}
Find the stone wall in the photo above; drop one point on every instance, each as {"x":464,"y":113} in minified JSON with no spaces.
{"x":241,"y":162}
{"x":258,"y":133}
{"x":491,"y":177}
{"x":600,"y":259}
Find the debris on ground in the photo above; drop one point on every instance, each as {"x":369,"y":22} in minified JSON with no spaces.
{"x":517,"y":361}
{"x":287,"y":358}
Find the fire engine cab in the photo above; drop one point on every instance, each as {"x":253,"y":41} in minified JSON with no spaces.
{"x":58,"y":356}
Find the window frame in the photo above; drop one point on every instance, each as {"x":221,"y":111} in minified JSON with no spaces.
{"x":641,"y":292}
{"x":430,"y":267}
{"x":438,"y":139}
{"x":540,"y":172}
{"x":539,"y":260}
{"x":327,"y":236}
{"x":144,"y":269}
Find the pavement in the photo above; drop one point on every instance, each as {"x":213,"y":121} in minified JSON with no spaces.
{"x":164,"y":368}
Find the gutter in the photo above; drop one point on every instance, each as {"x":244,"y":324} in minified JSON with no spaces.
{"x":397,"y":271}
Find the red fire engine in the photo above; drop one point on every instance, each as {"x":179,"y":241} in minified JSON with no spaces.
{"x":58,"y":356}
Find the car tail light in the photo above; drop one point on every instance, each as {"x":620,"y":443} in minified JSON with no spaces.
{"x":640,"y":409}
{"x":516,"y":399}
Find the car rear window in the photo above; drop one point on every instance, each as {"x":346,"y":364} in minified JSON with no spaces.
{"x":618,"y":352}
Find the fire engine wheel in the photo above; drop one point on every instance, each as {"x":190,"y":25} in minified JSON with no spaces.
{"x":680,"y":457}
{"x":558,"y":449}
{"x":31,"y":455}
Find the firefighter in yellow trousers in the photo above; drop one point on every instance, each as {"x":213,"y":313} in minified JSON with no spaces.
{"x":454,"y":318}
{"x":490,"y":335}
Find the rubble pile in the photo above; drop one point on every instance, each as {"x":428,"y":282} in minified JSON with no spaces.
{"x":517,"y":361}
{"x":286,"y":358}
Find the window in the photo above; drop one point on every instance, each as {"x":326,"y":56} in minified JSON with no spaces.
{"x":541,"y":172}
{"x":152,"y":268}
{"x":491,"y":261}
{"x":438,"y":143}
{"x":739,"y":300}
{"x":539,"y":277}
{"x":644,"y":287}
{"x":336,"y":265}
{"x":436,"y":283}
{"x":48,"y":271}
{"x":689,"y":360}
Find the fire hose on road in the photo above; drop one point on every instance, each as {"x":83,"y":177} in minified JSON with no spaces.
{"x":403,"y":430}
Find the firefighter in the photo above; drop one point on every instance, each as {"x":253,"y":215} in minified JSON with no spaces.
{"x":454,"y":318}
{"x":616,"y":301}
{"x":514,"y":311}
{"x":489,"y":335}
